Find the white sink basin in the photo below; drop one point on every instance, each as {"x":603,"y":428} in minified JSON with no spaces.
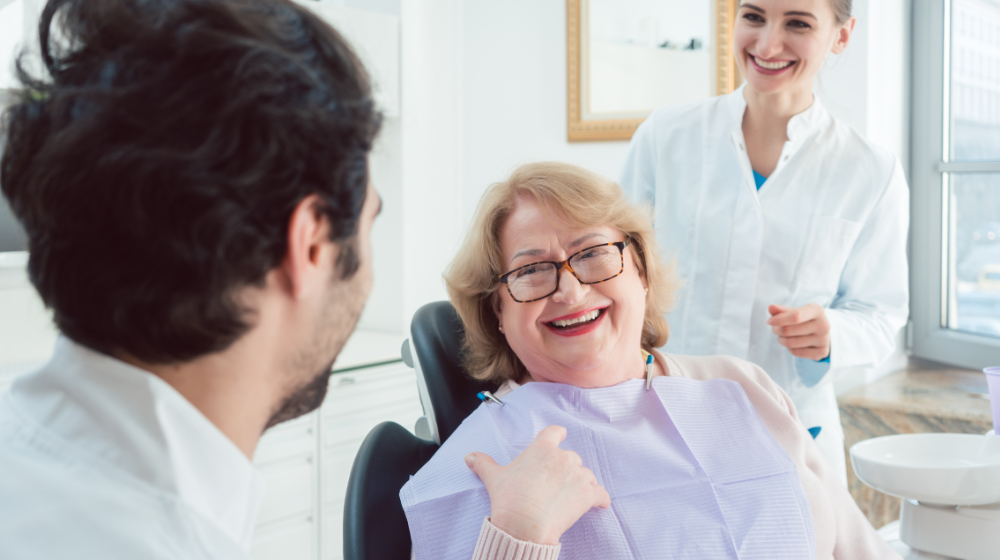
{"x":946,"y":469}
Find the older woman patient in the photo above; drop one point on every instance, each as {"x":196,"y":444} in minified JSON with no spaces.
{"x":609,"y":448}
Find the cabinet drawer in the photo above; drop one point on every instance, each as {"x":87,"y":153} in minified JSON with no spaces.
{"x":290,"y":439}
{"x":354,"y":428}
{"x":337,"y":463}
{"x":333,"y":531}
{"x":355,"y":391}
{"x":291,"y":489}
{"x":297,"y":542}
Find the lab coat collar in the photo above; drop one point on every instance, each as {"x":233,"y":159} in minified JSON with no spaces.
{"x":113,"y":413}
{"x":800,"y":126}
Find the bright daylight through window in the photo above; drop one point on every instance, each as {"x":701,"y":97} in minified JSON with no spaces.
{"x":955,"y":182}
{"x":11,"y":31}
{"x":975,"y":197}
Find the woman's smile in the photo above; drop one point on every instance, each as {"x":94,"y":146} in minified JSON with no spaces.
{"x":770,"y":67}
{"x":579,"y":323}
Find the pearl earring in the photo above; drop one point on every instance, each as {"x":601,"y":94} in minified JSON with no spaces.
{"x":501,"y":328}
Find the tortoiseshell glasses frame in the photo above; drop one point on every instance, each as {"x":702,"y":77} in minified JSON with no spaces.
{"x":559,"y":265}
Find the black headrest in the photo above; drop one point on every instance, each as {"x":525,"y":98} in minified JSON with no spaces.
{"x":374,"y":523}
{"x":437,"y":334}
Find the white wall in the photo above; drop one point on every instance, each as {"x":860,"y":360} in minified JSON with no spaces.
{"x":513,"y":107}
{"x":27,"y":334}
{"x":869,"y":84}
{"x":483,"y":91}
{"x":508,"y":63}
{"x":432,"y":147}
{"x":514,"y":95}
{"x":382,"y":311}
{"x":869,"y":87}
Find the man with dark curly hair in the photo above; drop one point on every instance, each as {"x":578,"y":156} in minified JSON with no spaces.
{"x":192,"y":177}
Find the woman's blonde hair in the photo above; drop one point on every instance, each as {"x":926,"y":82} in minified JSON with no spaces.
{"x":582,"y":199}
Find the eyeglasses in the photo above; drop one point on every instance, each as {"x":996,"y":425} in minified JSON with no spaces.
{"x":540,"y":280}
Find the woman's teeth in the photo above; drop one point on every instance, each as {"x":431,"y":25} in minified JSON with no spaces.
{"x":586,"y":317}
{"x":771,"y":65}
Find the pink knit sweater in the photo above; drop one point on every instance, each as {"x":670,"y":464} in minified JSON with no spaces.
{"x":842,"y":532}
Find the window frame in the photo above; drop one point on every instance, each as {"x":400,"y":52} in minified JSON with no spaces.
{"x":931,"y":169}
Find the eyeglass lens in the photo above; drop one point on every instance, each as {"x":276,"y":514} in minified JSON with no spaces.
{"x":593,"y":265}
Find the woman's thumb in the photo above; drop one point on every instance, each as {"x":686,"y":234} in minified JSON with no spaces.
{"x":481,"y":464}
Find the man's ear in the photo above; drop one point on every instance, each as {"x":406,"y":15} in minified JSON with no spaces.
{"x":310,"y":254}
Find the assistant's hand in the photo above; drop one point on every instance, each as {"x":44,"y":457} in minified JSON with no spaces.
{"x":542,"y":492}
{"x":805,"y":331}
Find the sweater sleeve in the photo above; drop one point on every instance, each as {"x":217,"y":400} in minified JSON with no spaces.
{"x":840,"y":526}
{"x":842,"y":531}
{"x":495,"y":544}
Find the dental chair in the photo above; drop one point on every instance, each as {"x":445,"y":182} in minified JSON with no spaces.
{"x":374,"y":523}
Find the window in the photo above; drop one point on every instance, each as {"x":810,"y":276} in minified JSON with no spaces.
{"x":955,"y":172}
{"x":11,"y":34}
{"x":12,"y":25}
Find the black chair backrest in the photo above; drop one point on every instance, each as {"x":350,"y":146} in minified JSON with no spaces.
{"x":374,"y":523}
{"x":436,"y":333}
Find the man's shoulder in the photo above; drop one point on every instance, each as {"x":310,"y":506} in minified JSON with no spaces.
{"x":62,"y":510}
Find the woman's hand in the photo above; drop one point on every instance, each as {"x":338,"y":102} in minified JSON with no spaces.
{"x":542,"y":492}
{"x":805,"y":331}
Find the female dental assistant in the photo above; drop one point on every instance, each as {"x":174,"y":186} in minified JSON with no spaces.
{"x":788,"y":227}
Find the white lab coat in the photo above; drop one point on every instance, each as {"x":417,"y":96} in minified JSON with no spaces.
{"x":100,"y":460}
{"x":828,"y":227}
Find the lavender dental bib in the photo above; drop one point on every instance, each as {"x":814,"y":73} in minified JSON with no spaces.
{"x":692,"y":471}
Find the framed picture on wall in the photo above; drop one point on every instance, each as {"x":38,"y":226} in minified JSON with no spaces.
{"x":628,"y":57}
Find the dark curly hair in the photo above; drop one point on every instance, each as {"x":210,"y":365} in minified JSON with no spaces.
{"x":156,"y":170}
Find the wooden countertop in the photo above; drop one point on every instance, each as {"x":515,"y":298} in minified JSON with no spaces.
{"x":925,"y":389}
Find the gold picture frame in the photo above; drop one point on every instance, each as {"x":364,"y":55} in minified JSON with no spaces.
{"x":579,"y":130}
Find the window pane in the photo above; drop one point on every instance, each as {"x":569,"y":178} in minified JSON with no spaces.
{"x":975,"y":274}
{"x":11,"y":30}
{"x":975,"y":80}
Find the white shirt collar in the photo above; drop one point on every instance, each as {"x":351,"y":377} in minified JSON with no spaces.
{"x":800,"y":126}
{"x":136,"y":422}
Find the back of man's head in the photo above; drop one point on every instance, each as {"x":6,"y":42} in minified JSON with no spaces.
{"x":156,"y":171}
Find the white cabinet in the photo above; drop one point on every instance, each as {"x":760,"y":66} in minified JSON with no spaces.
{"x":358,"y":401}
{"x":308,"y":461}
{"x":288,"y":523}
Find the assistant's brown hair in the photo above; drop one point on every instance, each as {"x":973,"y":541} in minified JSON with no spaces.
{"x":842,"y":10}
{"x":577,"y":196}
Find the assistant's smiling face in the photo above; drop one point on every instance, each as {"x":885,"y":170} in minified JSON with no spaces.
{"x":780,"y":45}
{"x":586,"y":335}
